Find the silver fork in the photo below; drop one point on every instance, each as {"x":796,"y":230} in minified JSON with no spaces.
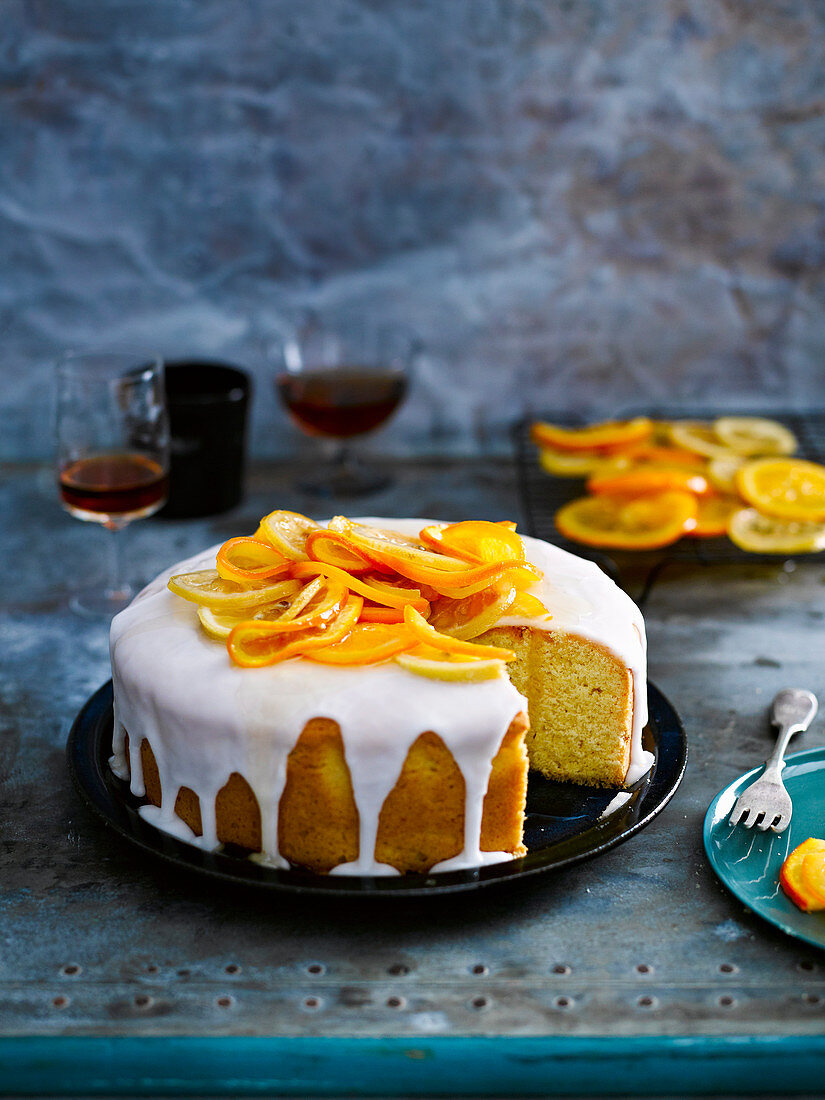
{"x":765,"y":803}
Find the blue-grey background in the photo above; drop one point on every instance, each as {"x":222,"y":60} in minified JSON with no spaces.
{"x":579,"y":206}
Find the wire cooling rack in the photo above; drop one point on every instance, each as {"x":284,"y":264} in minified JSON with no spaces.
{"x":542,"y":496}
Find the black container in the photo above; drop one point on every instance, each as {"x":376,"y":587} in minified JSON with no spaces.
{"x":208,"y":405}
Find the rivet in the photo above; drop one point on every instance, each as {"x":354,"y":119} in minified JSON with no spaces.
{"x":563,"y":1002}
{"x":233,"y":968}
{"x":727,"y":968}
{"x":480,"y":968}
{"x":811,"y":998}
{"x":151,"y":969}
{"x":316,"y":968}
{"x":224,"y":1002}
{"x":184,"y":973}
{"x":395,"y":1002}
{"x":646,"y":1002}
{"x":560,"y":968}
{"x":71,"y":970}
{"x":726,"y":1001}
{"x":312,"y":1002}
{"x":60,"y":1001}
{"x":806,"y":964}
{"x":398,"y":969}
{"x":644,"y":968}
{"x":143,"y":1000}
{"x":479,"y":1002}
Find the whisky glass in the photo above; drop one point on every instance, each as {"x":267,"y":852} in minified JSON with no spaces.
{"x":112,"y":454}
{"x":338,"y":386}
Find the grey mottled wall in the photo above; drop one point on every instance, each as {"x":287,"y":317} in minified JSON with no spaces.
{"x":579,"y":205}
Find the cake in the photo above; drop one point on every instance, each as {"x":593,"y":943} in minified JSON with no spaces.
{"x":375,"y":768}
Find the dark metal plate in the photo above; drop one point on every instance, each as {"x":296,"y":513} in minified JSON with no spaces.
{"x":563,"y":824}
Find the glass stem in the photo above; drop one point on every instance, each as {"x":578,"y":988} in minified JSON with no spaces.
{"x":117,"y":586}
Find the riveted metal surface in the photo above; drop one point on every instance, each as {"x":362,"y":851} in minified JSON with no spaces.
{"x":99,"y":940}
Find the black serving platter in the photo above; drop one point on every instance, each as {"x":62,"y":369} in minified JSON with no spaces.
{"x":563,"y":823}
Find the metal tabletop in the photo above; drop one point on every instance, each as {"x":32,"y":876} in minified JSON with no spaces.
{"x":635,"y":972}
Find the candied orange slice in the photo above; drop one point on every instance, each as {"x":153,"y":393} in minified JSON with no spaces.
{"x":789,"y":488}
{"x":428,"y":635}
{"x":447,"y":575}
{"x":366,"y":644}
{"x":473,"y":615}
{"x":249,"y":561}
{"x":371,"y":613}
{"x":475,"y":540}
{"x":208,"y":588}
{"x":287,"y":532}
{"x":332,"y":548}
{"x":389,"y":548}
{"x":797,"y":875}
{"x":622,"y":523}
{"x":750,"y":530}
{"x":313,"y":605}
{"x":662,"y":455}
{"x":608,"y":435}
{"x":389,"y":596}
{"x":254,"y":644}
{"x":754,"y":435}
{"x":650,"y":479}
{"x":713,"y":515}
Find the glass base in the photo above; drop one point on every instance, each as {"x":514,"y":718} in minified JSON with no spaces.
{"x":344,"y":481}
{"x":101,"y":603}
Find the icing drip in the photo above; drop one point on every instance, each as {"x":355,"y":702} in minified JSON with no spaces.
{"x":205,"y":718}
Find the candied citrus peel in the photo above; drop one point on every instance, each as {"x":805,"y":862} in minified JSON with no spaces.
{"x":609,"y":435}
{"x":351,"y":594}
{"x":802,"y":875}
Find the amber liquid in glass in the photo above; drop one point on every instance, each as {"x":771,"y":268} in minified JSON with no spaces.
{"x":111,"y":487}
{"x":343,"y":402}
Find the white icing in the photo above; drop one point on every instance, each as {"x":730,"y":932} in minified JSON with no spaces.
{"x":616,"y":803}
{"x":206,"y":718}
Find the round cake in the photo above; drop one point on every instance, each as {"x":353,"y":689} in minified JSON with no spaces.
{"x":374,"y":768}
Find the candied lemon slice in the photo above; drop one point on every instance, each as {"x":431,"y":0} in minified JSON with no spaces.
{"x":698,"y":437}
{"x":789,"y":488}
{"x":713,"y":515}
{"x":607,"y":435}
{"x":760,"y":534}
{"x":754,"y":435}
{"x":621,"y":523}
{"x":561,"y":463}
{"x":466,"y":671}
{"x":332,"y":548}
{"x":287,"y":532}
{"x":219,"y":624}
{"x":722,"y":471}
{"x":250,"y":561}
{"x":207,"y":587}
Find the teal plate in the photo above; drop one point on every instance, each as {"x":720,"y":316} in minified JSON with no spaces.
{"x":748,"y":861}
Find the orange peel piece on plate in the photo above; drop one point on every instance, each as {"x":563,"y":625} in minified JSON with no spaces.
{"x":385,"y":594}
{"x":478,"y":541}
{"x":332,"y":548}
{"x":621,"y":523}
{"x":247,"y":560}
{"x":608,"y":435}
{"x":803,"y":869}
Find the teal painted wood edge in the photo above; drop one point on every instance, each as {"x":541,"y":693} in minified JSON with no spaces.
{"x":500,"y":1066}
